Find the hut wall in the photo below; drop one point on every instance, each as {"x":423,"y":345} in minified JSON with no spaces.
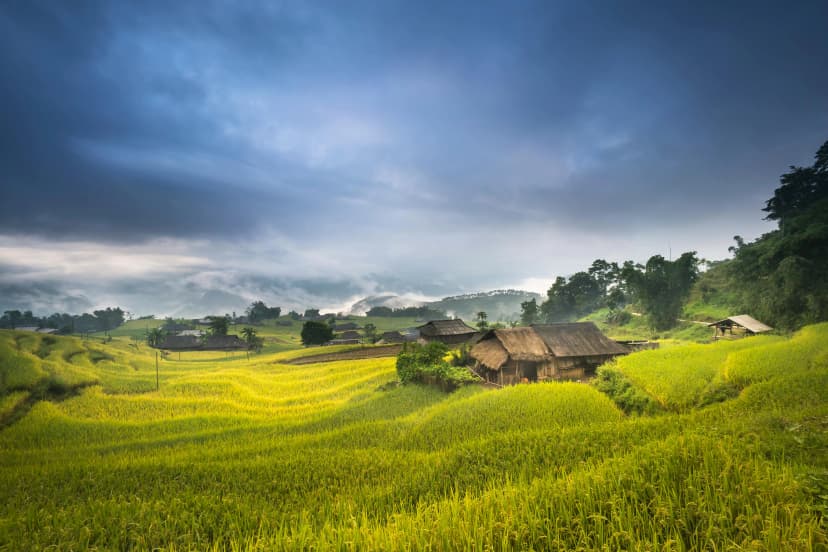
{"x":569,"y":368}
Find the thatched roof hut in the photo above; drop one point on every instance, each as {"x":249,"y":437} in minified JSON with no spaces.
{"x":212,"y":343}
{"x":448,"y":331}
{"x":180,"y":343}
{"x":224,"y":343}
{"x":747,"y":324}
{"x":497,"y":347}
{"x":391,"y":337}
{"x":350,"y":334}
{"x":540,"y":352}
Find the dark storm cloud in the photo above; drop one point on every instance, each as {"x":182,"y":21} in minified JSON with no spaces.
{"x":110,"y":124}
{"x":341,"y":142}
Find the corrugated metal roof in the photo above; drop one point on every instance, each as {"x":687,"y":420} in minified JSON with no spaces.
{"x":577,"y":339}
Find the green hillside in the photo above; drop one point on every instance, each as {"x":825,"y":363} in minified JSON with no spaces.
{"x":502,"y":305}
{"x":233,"y":454}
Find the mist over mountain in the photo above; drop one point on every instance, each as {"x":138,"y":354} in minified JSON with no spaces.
{"x":500,"y":304}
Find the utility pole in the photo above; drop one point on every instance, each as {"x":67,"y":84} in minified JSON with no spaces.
{"x":156,"y":370}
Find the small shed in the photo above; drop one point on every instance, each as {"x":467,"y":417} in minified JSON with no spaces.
{"x":450,"y":332}
{"x":742,"y":324}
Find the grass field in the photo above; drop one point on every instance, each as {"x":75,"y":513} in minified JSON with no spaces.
{"x":231,"y":454}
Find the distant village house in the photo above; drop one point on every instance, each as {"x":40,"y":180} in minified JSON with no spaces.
{"x":450,"y":332}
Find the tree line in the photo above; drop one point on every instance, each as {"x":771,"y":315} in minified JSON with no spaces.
{"x":659,"y":287}
{"x":101,"y":320}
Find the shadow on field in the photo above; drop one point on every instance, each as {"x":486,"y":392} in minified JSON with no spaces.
{"x":47,"y":390}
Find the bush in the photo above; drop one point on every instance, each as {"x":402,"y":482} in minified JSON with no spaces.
{"x":462,"y":356}
{"x":427,"y":364}
{"x":618,"y":317}
{"x":414,"y":357}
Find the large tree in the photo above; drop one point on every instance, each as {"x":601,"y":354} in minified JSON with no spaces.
{"x":529,"y":312}
{"x":218,"y":325}
{"x":662,"y":287}
{"x":801,"y":189}
{"x":316,"y":333}
{"x":258,"y":311}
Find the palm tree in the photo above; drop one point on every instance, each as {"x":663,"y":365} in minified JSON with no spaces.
{"x":155,"y":336}
{"x":253,"y":340}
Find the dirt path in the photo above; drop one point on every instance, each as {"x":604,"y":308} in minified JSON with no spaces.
{"x":356,"y":354}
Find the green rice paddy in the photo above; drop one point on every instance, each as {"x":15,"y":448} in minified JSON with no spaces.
{"x":238,"y":454}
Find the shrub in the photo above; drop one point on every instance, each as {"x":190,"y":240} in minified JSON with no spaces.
{"x":426,"y":364}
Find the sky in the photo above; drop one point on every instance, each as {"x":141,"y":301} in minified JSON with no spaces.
{"x":183,"y":158}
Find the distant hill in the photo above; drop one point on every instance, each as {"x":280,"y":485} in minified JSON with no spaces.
{"x":500,"y":304}
{"x":388,"y":300}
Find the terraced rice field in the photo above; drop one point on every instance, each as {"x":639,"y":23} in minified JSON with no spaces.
{"x":231,"y":454}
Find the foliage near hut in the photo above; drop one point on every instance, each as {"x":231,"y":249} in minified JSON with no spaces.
{"x":427,"y":363}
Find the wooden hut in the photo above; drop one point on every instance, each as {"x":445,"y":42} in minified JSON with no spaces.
{"x":212,"y":343}
{"x":578,"y":347}
{"x":542,"y":352}
{"x":507,"y":356}
{"x":450,"y":332}
{"x":224,"y":343}
{"x":180,"y":343}
{"x":742,"y":324}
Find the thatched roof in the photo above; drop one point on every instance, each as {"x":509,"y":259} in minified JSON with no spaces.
{"x":180,"y":343}
{"x":392,"y":337}
{"x":490,"y":353}
{"x":350,"y":334}
{"x":521,"y":343}
{"x":577,"y":339}
{"x":743,"y":320}
{"x":445,"y":327}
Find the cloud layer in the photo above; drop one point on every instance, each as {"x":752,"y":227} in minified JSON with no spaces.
{"x":425,"y":147}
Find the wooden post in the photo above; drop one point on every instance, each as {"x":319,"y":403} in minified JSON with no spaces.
{"x":156,"y":371}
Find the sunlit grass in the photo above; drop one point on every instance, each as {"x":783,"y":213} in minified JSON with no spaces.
{"x":231,"y":453}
